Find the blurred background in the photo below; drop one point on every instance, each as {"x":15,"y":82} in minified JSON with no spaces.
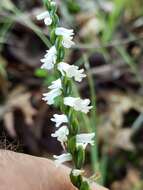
{"x":108,"y":36}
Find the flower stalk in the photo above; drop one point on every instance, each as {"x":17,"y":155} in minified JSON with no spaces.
{"x":67,"y":126}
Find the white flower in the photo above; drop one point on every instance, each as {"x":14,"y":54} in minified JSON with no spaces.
{"x":85,"y":139}
{"x":56,"y":84}
{"x":61,"y":134}
{"x":55,"y":91}
{"x":77,"y":172}
{"x":78,"y":104}
{"x":71,"y":71}
{"x":67,"y":35}
{"x":46,"y":17}
{"x":59,"y":119}
{"x":50,"y":96}
{"x":49,"y":59}
{"x":62,"y":158}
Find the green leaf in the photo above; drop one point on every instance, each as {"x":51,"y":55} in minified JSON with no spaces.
{"x":41,"y":73}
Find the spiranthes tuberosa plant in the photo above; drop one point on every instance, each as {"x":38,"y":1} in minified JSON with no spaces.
{"x":67,"y":127}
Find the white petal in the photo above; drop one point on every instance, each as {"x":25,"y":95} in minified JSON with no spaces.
{"x":59,"y":119}
{"x":60,"y":31}
{"x":47,"y":64}
{"x":78,"y":104}
{"x":49,"y":59}
{"x":69,"y":101}
{"x":71,"y":71}
{"x":48,"y":21}
{"x":46,"y":17}
{"x":67,"y":35}
{"x":62,"y":158}
{"x":84,"y":139}
{"x":50,"y":96}
{"x":67,"y":43}
{"x":43,"y":15}
{"x":56,"y":84}
{"x":61,"y":134}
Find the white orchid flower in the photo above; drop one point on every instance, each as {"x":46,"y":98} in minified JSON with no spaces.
{"x":71,"y":71}
{"x":62,"y":158}
{"x":84,"y":139}
{"x":61,"y":134}
{"x":78,"y":104}
{"x":56,"y":88}
{"x":46,"y":17}
{"x":59,"y":119}
{"x":67,"y":35}
{"x":49,"y":59}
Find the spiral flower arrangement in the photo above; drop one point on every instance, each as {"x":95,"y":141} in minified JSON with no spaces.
{"x":67,"y":127}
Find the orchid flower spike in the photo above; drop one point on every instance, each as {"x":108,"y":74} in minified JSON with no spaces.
{"x":72,"y":142}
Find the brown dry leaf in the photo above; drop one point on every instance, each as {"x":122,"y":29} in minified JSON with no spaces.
{"x":92,"y":27}
{"x":111,"y":130}
{"x":123,"y":139}
{"x":18,"y":98}
{"x":89,"y":24}
{"x":22,"y":101}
